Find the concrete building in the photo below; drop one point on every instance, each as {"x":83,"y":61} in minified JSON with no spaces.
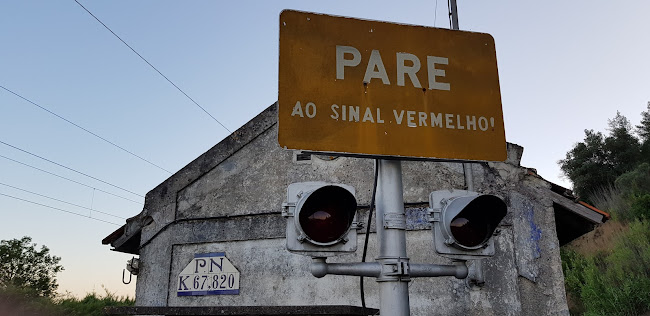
{"x":229,"y":200}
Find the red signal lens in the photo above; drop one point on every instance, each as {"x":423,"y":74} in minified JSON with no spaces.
{"x":327,"y":214}
{"x":474,"y":225}
{"x":469,"y":233}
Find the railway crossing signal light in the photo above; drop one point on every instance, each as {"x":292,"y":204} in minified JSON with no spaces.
{"x":321,"y":219}
{"x":464,"y":223}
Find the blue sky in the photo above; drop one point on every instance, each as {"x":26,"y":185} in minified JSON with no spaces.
{"x":564,"y":66}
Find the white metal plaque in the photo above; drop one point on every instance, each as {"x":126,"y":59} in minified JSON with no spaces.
{"x":209,"y":274}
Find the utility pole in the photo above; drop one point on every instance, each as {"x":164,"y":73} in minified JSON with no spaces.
{"x":453,"y":12}
{"x":476,"y":272}
{"x":467,"y":167}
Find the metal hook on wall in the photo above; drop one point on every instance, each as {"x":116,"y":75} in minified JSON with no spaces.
{"x":130,"y":277}
{"x":133,"y":266}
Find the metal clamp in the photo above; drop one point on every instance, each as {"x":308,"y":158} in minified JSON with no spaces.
{"x":434,"y":214}
{"x":288,"y":208}
{"x":394,"y":268}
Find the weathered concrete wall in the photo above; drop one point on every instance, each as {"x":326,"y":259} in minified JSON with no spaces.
{"x":229,"y":200}
{"x":255,"y":179}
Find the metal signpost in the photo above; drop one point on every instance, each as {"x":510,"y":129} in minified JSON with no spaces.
{"x":390,"y":91}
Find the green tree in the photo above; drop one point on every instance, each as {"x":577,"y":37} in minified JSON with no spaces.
{"x":634,"y":189}
{"x":636,"y":182}
{"x":586,"y":164}
{"x":643,"y":130}
{"x":622,"y":147}
{"x":24,"y":267}
{"x":598,"y":160}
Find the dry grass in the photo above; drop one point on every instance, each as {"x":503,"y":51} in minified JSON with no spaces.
{"x":610,"y":199}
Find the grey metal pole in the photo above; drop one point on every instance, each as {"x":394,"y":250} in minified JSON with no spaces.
{"x":477,"y":277}
{"x":454,"y":14}
{"x":391,"y":232}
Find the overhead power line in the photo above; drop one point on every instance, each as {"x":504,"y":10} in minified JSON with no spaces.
{"x":86,"y":130}
{"x":152,"y":66}
{"x":77,"y":182}
{"x":55,"y":199}
{"x":59,"y":209}
{"x":79,"y":172}
{"x":435,"y":14}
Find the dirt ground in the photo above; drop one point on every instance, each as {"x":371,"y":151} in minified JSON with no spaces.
{"x":600,"y":239}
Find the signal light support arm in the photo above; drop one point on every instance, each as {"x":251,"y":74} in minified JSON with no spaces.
{"x":458,"y":270}
{"x":320,"y":268}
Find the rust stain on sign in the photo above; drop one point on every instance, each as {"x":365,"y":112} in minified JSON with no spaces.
{"x":383,"y":89}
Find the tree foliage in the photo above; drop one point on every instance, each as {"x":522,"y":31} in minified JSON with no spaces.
{"x":643,"y":129}
{"x":636,"y":182}
{"x":24,"y":267}
{"x":586,"y":164}
{"x":621,"y":146}
{"x":597,"y":161}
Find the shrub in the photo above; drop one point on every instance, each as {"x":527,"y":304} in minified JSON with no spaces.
{"x":640,"y":207}
{"x":92,"y":304}
{"x":18,"y":301}
{"x":573,"y":266}
{"x":25,"y":301}
{"x":615,"y":283}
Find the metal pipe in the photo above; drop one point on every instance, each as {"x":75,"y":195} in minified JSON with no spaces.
{"x":391,"y":232}
{"x":458,"y":270}
{"x":469,"y":177}
{"x":320,"y":268}
{"x":476,"y":276}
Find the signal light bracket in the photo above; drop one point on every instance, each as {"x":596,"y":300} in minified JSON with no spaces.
{"x":474,"y":241}
{"x":307,"y":197}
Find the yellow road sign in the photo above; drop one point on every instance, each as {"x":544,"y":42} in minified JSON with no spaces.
{"x":384,"y":89}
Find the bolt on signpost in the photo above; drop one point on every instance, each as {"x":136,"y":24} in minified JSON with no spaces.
{"x":394,"y":92}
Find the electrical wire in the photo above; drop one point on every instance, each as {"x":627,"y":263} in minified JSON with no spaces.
{"x":79,"y":172}
{"x":77,"y":182}
{"x":55,"y":199}
{"x":152,"y":66}
{"x":435,"y":14}
{"x":365,"y":243}
{"x":59,"y":209}
{"x":86,"y":130}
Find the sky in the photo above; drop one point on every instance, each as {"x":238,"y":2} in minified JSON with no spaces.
{"x":564,"y":66}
